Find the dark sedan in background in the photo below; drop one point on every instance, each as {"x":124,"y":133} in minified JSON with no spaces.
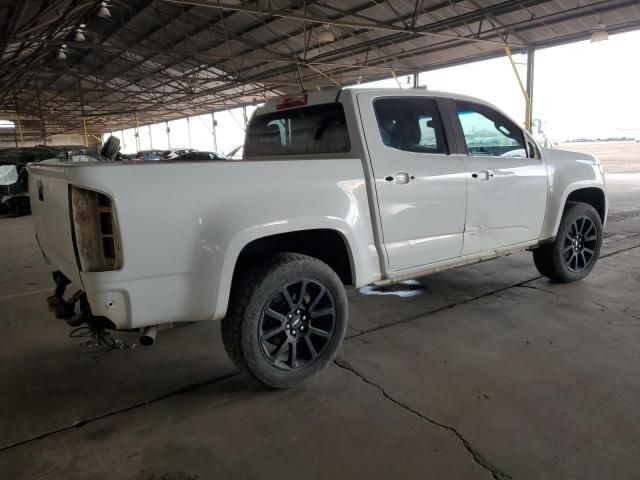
{"x":197,"y":156}
{"x":14,"y":180}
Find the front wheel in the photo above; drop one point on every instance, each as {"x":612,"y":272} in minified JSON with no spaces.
{"x":286,"y":321}
{"x":574,"y":252}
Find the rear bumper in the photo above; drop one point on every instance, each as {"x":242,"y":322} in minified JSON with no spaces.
{"x":125,"y":305}
{"x":76,"y":310}
{"x":140,"y":302}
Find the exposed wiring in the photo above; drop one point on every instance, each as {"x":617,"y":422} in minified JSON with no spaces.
{"x":98,"y":338}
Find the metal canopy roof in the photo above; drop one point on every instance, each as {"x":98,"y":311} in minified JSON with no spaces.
{"x":166,"y":59}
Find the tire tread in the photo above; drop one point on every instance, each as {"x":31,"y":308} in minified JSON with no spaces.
{"x":232,"y":325}
{"x":549,"y":261}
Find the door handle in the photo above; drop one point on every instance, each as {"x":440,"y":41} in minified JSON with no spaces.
{"x":400,"y":178}
{"x":483,"y":175}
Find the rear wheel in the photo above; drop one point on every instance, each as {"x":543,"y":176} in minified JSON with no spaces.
{"x":286,"y":320}
{"x":576,"y":248}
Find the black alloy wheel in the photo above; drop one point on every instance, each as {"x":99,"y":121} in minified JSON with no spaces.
{"x":580,"y":244}
{"x":287,"y":319}
{"x":576,"y":248}
{"x":297,"y":324}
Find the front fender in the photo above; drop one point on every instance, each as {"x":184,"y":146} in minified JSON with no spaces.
{"x":568,"y":172}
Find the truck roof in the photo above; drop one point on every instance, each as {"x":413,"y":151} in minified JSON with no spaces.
{"x":332,"y":94}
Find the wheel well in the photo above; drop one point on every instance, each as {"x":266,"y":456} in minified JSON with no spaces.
{"x":326,"y":245}
{"x":592,"y":196}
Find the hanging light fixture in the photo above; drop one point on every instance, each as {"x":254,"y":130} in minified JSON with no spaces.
{"x":79,"y":36}
{"x":326,"y":35}
{"x":60,"y":54}
{"x":103,"y":10}
{"x":600,"y":33}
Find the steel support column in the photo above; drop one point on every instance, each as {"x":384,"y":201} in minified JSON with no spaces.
{"x":137,"y":133}
{"x":20,"y":131}
{"x":86,"y":135}
{"x":19,"y":122}
{"x":527,"y":100}
{"x":531,"y":55}
{"x":213,"y":131}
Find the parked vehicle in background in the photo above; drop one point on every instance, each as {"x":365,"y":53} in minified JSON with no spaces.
{"x":149,"y":155}
{"x":236,"y":153}
{"x":14,"y":183}
{"x":176,"y":152}
{"x":199,"y":156}
{"x":336,"y":187}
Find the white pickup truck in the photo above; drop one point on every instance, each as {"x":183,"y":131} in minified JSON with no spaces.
{"x":348,"y":187}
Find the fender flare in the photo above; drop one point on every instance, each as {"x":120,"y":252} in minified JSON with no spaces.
{"x":244,"y":238}
{"x":569,"y":189}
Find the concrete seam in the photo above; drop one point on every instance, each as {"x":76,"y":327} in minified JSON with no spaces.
{"x":440,"y":309}
{"x":495,"y":472}
{"x":477,"y":457}
{"x":623,"y":312}
{"x":82,"y":423}
{"x":601,"y":305}
{"x":463,"y":302}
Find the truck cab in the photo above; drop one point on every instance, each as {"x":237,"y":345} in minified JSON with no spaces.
{"x":336,"y":187}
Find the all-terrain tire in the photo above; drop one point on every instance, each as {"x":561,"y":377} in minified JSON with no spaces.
{"x":262,"y":289}
{"x":111,"y":148}
{"x":575,"y":251}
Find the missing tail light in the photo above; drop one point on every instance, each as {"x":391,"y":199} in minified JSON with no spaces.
{"x":95,"y":229}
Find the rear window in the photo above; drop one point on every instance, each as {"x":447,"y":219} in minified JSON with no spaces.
{"x":299,"y":131}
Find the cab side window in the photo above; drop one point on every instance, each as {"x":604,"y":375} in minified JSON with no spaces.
{"x":489,"y":133}
{"x":410,"y":124}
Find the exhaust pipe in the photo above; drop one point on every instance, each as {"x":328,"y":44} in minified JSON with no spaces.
{"x":148,"y":335}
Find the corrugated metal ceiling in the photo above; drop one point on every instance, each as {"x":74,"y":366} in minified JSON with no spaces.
{"x":165,"y":59}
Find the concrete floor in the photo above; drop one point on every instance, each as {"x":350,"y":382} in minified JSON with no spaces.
{"x":489,"y":372}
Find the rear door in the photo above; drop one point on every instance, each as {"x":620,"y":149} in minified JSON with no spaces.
{"x":420,"y":186}
{"x":507,"y":183}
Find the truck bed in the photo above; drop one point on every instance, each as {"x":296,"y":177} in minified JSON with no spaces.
{"x":182,"y":225}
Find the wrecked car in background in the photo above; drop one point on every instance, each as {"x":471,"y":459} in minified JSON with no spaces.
{"x":149,"y":155}
{"x":14,"y":180}
{"x":196,"y":156}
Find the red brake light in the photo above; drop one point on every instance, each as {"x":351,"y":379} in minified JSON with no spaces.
{"x":292,"y":101}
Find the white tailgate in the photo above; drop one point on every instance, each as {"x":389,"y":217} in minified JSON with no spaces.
{"x":49,"y":193}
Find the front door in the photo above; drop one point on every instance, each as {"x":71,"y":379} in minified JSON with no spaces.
{"x":507,"y":181}
{"x":421,"y":188}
